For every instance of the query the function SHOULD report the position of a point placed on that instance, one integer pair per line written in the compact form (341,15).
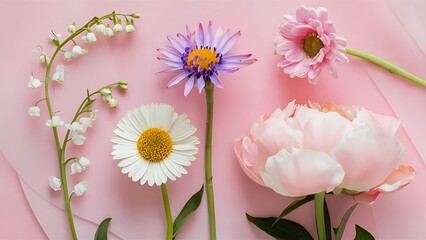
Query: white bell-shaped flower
(84,162)
(100,28)
(34,111)
(77,139)
(54,122)
(76,168)
(109,32)
(77,51)
(55,183)
(34,83)
(90,37)
(80,188)
(59,73)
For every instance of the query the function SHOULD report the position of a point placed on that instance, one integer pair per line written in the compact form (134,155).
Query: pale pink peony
(304,150)
(309,43)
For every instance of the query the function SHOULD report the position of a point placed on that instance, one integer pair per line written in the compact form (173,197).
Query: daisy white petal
(146,148)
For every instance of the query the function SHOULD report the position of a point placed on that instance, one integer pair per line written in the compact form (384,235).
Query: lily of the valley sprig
(199,57)
(308,43)
(84,115)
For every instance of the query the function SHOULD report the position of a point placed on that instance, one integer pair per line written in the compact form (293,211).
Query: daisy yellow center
(312,44)
(154,144)
(202,58)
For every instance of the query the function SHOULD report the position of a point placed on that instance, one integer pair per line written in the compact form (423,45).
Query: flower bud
(117,26)
(55,183)
(135,15)
(105,91)
(72,28)
(122,84)
(113,103)
(44,59)
(107,98)
(80,188)
(130,28)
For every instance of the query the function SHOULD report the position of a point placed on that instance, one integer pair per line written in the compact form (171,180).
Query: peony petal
(368,155)
(302,172)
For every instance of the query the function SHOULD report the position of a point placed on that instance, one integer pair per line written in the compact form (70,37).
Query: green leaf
(327,221)
(56,42)
(362,234)
(293,206)
(342,225)
(190,206)
(101,233)
(284,229)
(88,103)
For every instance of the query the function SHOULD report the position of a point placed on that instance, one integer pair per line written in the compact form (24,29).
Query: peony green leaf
(284,229)
(101,233)
(362,234)
(293,206)
(341,228)
(190,206)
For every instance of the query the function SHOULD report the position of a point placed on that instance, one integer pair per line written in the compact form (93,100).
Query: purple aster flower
(201,55)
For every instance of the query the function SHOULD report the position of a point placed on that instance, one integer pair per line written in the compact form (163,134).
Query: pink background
(394,30)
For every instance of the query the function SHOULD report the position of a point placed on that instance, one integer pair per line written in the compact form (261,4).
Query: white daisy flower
(154,143)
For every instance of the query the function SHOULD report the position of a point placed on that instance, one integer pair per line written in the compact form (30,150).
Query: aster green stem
(169,219)
(319,215)
(61,150)
(387,65)
(209,89)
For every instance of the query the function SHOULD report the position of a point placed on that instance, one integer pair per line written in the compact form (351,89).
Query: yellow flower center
(202,58)
(154,144)
(312,44)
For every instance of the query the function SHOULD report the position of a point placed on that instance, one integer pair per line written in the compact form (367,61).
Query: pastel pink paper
(137,211)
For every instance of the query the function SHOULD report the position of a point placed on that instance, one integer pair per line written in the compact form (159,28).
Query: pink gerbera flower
(309,43)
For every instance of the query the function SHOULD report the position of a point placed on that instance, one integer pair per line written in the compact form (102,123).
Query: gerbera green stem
(169,219)
(386,65)
(319,215)
(209,88)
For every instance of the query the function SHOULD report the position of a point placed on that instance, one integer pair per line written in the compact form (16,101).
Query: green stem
(209,88)
(319,215)
(169,219)
(386,65)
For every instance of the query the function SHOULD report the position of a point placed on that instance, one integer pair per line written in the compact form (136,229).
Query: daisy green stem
(169,219)
(209,89)
(386,65)
(319,215)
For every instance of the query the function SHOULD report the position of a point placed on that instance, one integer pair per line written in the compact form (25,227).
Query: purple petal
(230,43)
(231,64)
(176,44)
(224,39)
(208,35)
(170,70)
(183,40)
(216,81)
(200,83)
(171,62)
(236,57)
(199,36)
(169,54)
(177,79)
(227,70)
(188,86)
(217,38)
